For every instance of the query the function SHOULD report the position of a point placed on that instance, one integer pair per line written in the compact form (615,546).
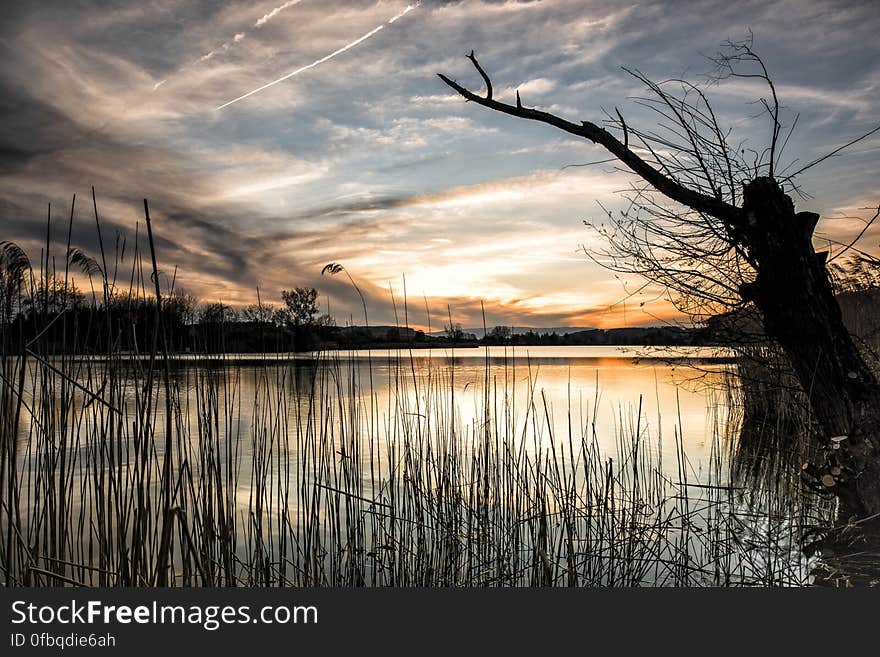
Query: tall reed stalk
(309,471)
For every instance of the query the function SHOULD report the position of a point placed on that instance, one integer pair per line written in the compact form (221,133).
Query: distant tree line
(57,315)
(641,336)
(63,319)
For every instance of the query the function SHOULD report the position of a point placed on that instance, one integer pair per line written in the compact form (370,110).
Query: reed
(148,469)
(312,479)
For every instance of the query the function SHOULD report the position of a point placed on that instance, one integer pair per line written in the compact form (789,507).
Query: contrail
(323,59)
(272,14)
(238,37)
(241,35)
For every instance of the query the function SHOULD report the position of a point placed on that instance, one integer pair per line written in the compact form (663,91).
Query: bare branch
(861,234)
(665,185)
(623,125)
(485,77)
(832,153)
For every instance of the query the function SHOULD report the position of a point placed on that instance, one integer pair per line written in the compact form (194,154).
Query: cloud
(369,159)
(529,88)
(542,188)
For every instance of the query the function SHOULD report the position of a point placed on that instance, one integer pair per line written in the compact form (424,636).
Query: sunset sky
(360,155)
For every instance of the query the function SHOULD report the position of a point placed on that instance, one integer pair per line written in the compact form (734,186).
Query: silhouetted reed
(144,468)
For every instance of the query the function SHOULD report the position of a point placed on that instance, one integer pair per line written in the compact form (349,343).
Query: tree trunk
(793,292)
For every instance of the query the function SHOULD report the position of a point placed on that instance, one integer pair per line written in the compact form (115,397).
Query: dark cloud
(31,128)
(38,145)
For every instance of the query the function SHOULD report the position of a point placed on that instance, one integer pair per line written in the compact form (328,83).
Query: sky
(273,137)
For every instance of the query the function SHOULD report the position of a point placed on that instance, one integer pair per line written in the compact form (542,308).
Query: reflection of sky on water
(305,444)
(596,386)
(589,391)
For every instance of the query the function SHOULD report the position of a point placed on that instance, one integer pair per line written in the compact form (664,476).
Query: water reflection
(443,467)
(593,392)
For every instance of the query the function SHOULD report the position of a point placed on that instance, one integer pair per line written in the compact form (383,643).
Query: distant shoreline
(440,352)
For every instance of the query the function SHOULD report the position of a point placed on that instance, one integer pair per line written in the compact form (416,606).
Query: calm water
(531,393)
(582,390)
(303,448)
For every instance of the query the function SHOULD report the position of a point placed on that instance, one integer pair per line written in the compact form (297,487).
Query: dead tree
(732,236)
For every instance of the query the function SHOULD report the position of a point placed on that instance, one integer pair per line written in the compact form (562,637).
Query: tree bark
(793,292)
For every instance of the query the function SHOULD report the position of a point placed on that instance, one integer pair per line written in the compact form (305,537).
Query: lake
(581,389)
(487,466)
